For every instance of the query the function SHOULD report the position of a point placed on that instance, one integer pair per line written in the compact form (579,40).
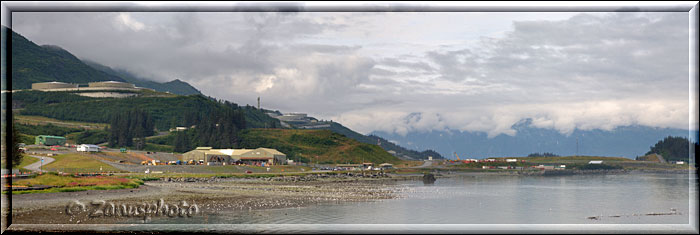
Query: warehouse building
(88,148)
(52,85)
(49,140)
(259,156)
(207,154)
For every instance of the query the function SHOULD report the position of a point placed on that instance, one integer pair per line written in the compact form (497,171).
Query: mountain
(175,86)
(32,63)
(624,141)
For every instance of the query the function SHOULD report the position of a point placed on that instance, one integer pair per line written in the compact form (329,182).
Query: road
(35,166)
(425,164)
(661,158)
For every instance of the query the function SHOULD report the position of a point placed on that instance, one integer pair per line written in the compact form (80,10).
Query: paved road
(35,166)
(425,164)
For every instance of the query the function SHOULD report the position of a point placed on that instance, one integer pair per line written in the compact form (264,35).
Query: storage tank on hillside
(52,85)
(111,84)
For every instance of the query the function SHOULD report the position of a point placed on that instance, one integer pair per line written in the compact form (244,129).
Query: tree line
(219,129)
(673,148)
(130,129)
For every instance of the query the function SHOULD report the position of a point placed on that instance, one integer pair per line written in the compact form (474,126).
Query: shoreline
(213,195)
(228,194)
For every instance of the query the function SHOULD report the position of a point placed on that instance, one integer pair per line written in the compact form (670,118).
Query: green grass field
(77,162)
(74,184)
(26,160)
(39,120)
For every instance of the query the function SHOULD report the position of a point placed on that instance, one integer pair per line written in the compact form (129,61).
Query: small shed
(595,162)
(385,166)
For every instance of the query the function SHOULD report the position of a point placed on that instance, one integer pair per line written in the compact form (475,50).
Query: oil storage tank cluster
(52,85)
(111,84)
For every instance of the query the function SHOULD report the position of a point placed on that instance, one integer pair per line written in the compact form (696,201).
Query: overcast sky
(401,72)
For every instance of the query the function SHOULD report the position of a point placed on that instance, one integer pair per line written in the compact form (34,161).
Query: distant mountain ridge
(32,63)
(624,141)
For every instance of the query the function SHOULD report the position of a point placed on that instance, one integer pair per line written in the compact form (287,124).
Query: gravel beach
(210,195)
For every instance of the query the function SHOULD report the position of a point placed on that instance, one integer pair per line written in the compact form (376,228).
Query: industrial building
(111,84)
(88,148)
(49,140)
(259,156)
(52,85)
(94,89)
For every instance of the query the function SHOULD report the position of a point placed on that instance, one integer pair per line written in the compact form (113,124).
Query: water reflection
(491,199)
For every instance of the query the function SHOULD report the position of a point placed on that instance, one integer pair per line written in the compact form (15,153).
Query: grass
(78,162)
(39,120)
(569,159)
(26,160)
(149,177)
(158,147)
(408,164)
(311,146)
(74,184)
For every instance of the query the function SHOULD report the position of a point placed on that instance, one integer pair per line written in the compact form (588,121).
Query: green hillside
(673,148)
(32,63)
(175,86)
(385,144)
(306,145)
(167,112)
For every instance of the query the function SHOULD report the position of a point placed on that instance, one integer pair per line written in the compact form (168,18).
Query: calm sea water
(495,199)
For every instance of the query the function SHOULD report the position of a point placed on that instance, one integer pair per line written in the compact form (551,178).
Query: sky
(401,72)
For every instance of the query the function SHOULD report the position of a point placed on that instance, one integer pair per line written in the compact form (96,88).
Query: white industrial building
(88,148)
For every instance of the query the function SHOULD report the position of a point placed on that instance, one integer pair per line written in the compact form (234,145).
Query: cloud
(400,72)
(592,71)
(124,19)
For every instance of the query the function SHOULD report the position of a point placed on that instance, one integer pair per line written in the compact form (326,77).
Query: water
(496,199)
